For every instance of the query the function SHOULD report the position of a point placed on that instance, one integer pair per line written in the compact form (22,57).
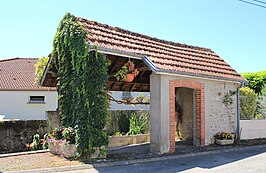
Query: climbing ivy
(82,83)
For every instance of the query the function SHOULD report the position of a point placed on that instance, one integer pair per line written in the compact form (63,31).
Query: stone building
(188,84)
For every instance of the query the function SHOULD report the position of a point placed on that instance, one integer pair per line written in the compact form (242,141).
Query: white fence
(252,129)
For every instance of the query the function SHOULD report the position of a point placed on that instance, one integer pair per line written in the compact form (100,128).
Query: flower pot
(69,150)
(224,142)
(130,77)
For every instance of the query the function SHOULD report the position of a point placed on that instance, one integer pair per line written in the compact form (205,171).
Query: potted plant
(63,141)
(224,138)
(127,73)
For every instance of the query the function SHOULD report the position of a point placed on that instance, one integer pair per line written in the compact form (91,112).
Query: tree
(39,68)
(256,80)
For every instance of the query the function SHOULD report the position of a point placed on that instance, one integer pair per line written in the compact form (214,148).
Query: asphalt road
(244,161)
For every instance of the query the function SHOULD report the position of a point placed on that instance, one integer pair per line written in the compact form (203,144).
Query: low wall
(252,129)
(53,120)
(15,134)
(117,141)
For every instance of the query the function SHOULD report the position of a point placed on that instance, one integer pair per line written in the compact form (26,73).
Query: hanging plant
(127,73)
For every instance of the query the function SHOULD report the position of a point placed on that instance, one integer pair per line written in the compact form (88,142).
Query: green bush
(119,121)
(256,80)
(40,67)
(248,103)
(137,124)
(260,112)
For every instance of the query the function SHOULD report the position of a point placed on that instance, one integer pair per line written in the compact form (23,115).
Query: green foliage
(57,133)
(248,103)
(37,143)
(82,82)
(260,112)
(118,134)
(118,121)
(228,100)
(121,74)
(69,135)
(127,68)
(263,91)
(224,136)
(40,67)
(256,80)
(137,124)
(46,137)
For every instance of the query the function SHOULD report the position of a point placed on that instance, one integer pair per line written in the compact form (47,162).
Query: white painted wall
(118,95)
(15,104)
(252,129)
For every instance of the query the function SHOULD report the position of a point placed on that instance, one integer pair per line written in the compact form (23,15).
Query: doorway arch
(199,110)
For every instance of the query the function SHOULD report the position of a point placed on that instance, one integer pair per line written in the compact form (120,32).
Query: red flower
(42,141)
(27,145)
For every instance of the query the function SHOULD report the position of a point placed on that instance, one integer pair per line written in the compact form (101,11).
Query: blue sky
(234,30)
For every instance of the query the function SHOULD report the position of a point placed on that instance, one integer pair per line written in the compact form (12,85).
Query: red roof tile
(166,55)
(19,74)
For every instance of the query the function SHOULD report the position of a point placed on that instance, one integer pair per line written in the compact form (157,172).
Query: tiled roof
(165,55)
(19,74)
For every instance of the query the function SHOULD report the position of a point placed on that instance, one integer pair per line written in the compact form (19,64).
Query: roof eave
(116,52)
(156,70)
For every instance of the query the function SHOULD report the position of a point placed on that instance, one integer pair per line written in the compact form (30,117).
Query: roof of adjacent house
(19,74)
(164,56)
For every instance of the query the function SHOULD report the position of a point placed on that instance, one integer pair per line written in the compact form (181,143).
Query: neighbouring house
(20,97)
(192,89)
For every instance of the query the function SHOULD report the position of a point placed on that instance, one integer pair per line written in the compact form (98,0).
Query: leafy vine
(82,83)
(228,100)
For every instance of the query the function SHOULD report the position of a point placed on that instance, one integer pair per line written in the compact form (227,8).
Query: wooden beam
(112,85)
(112,69)
(123,86)
(141,86)
(133,86)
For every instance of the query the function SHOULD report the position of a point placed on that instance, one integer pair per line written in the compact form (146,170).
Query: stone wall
(53,120)
(15,134)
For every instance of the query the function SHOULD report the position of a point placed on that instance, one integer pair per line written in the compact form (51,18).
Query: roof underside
(141,83)
(165,55)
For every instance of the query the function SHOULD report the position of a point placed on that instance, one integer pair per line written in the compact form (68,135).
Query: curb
(135,161)
(23,153)
(153,159)
(58,169)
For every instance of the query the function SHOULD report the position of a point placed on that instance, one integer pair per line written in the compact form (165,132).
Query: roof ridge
(17,58)
(146,36)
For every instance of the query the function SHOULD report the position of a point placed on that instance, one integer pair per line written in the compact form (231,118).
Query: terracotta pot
(130,77)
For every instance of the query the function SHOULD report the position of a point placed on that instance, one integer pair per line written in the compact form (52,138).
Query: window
(36,99)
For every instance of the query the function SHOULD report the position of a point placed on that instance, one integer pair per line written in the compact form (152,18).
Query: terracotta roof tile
(19,74)
(165,55)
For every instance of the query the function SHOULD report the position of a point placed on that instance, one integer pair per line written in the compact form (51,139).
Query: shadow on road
(176,165)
